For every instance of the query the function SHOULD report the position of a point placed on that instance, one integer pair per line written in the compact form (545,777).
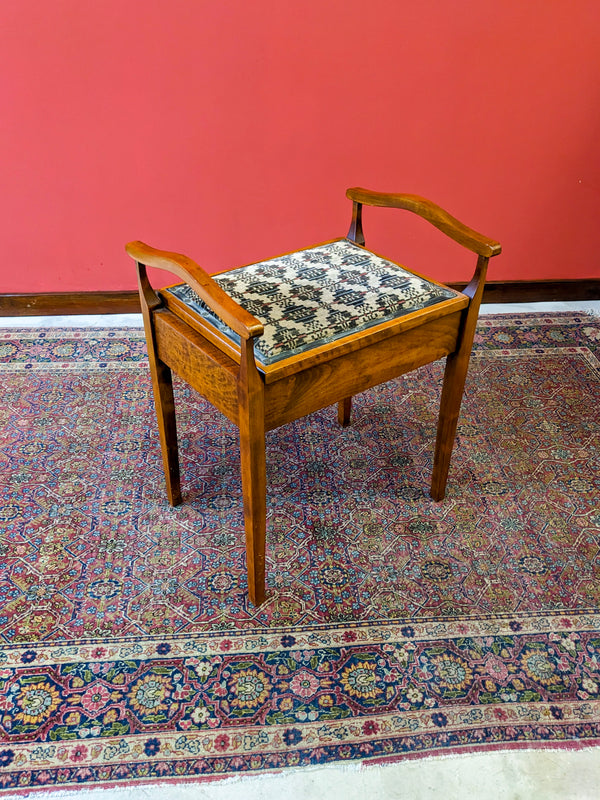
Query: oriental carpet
(394,626)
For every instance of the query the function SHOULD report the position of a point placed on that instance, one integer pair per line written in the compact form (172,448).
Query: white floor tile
(135,320)
(591,306)
(75,321)
(511,775)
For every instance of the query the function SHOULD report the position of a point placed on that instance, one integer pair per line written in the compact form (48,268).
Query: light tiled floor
(513,775)
(135,320)
(509,775)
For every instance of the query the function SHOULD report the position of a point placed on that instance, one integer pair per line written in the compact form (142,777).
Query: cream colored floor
(509,775)
(135,320)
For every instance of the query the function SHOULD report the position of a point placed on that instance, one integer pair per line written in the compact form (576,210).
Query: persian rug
(395,626)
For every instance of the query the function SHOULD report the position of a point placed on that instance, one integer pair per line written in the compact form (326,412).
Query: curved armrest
(437,216)
(232,314)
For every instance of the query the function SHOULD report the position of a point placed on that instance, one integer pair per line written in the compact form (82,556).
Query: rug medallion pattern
(393,626)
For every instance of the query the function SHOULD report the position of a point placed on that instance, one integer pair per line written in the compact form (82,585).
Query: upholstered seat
(271,342)
(315,296)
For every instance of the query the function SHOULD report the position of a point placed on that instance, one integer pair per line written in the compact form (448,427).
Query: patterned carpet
(394,626)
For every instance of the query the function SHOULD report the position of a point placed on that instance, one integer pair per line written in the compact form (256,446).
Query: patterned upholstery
(316,296)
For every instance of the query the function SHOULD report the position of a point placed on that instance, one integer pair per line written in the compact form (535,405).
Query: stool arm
(232,314)
(442,220)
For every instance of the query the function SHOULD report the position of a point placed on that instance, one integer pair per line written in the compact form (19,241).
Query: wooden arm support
(232,314)
(424,208)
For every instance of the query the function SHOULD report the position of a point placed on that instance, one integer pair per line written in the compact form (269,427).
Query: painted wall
(230,130)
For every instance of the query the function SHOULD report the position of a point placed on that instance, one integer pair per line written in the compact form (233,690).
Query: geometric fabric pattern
(393,627)
(315,296)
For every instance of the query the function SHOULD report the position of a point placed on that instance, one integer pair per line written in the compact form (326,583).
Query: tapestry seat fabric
(317,295)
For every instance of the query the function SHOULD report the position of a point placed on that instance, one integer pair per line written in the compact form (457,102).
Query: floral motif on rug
(394,626)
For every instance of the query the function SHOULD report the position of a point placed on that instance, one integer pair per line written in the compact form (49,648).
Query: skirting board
(127,302)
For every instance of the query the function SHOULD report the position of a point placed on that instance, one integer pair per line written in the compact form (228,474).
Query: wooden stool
(271,342)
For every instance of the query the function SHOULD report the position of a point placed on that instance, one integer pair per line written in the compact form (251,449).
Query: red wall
(230,130)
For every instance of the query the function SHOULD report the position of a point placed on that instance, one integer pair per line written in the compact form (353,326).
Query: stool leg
(344,411)
(162,385)
(254,479)
(457,364)
(162,388)
(252,452)
(452,392)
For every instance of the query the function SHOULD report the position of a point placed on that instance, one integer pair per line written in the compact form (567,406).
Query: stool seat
(315,296)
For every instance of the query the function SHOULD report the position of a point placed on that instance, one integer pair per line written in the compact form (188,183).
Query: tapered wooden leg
(455,375)
(254,480)
(252,452)
(452,392)
(344,411)
(162,385)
